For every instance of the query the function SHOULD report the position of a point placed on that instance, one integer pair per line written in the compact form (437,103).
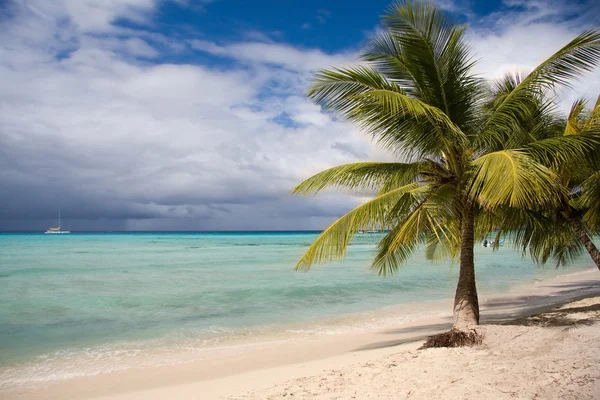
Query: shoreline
(260,367)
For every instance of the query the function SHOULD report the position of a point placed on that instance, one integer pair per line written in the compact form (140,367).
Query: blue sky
(332,25)
(192,115)
(329,25)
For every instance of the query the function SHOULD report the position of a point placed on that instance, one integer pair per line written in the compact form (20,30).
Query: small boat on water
(56,230)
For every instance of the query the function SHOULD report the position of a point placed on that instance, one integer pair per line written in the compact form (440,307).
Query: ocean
(86,303)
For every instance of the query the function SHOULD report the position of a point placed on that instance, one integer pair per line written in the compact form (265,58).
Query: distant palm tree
(563,231)
(415,94)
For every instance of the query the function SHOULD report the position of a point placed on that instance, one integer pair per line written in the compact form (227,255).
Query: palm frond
(590,201)
(366,97)
(536,121)
(431,51)
(385,54)
(365,176)
(542,236)
(336,89)
(593,120)
(433,218)
(438,247)
(573,124)
(399,104)
(432,172)
(511,177)
(571,149)
(374,214)
(391,254)
(577,57)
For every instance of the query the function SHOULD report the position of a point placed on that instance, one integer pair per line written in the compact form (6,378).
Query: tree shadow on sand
(562,292)
(557,316)
(565,317)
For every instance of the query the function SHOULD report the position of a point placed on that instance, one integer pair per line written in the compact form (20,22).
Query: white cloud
(519,40)
(275,54)
(91,15)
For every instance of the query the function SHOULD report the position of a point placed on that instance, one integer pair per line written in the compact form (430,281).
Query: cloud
(89,126)
(276,54)
(89,15)
(346,148)
(576,14)
(528,32)
(94,121)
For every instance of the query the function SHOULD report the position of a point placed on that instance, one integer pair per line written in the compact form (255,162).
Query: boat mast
(59,218)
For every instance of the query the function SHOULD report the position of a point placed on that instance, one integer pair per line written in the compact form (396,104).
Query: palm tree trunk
(585,240)
(466,305)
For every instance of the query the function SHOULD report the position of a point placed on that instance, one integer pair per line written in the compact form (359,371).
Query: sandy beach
(553,355)
(540,342)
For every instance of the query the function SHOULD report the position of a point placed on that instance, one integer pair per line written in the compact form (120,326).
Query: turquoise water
(63,294)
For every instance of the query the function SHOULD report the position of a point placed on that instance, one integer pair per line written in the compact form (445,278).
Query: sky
(193,115)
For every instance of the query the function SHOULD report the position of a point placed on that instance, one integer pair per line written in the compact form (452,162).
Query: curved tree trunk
(585,240)
(466,304)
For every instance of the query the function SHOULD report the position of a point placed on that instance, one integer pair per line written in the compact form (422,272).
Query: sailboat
(57,230)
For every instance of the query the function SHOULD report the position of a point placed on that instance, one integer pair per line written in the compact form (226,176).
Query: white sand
(557,357)
(558,360)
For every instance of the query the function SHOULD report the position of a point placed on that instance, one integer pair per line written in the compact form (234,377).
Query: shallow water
(74,304)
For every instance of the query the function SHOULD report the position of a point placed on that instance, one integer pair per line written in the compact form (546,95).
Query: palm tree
(563,231)
(415,95)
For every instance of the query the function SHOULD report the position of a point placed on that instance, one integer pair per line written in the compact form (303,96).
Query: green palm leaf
(593,120)
(590,201)
(396,120)
(365,176)
(337,89)
(573,124)
(374,214)
(433,219)
(511,177)
(569,149)
(399,104)
(385,54)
